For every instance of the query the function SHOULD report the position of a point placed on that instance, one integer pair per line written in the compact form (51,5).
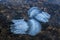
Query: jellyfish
(31,27)
(39,15)
(19,26)
(35,27)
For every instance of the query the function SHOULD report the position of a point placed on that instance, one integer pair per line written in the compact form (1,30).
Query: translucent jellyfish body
(35,27)
(33,11)
(32,27)
(39,15)
(42,17)
(19,26)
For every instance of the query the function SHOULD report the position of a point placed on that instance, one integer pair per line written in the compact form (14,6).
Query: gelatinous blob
(43,17)
(19,26)
(35,27)
(39,15)
(33,11)
(32,27)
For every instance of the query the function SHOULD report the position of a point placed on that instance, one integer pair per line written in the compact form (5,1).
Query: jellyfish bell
(19,27)
(35,27)
(32,27)
(39,15)
(33,11)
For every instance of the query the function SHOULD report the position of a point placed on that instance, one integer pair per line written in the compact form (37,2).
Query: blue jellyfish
(35,27)
(32,27)
(33,11)
(39,15)
(43,17)
(19,26)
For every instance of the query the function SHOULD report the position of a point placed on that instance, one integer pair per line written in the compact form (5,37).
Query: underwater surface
(20,21)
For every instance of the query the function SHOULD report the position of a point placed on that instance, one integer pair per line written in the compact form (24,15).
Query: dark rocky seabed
(50,30)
